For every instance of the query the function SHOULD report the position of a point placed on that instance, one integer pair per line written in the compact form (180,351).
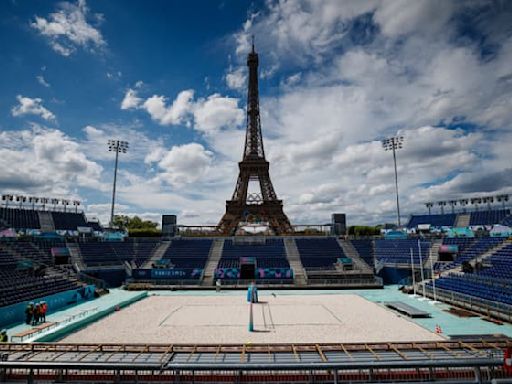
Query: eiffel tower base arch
(269,211)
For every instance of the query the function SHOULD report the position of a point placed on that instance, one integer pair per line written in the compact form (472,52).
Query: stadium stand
(16,286)
(23,274)
(20,218)
(507,221)
(319,254)
(488,217)
(470,248)
(271,254)
(445,220)
(96,226)
(399,251)
(68,220)
(116,253)
(477,286)
(187,255)
(365,249)
(499,265)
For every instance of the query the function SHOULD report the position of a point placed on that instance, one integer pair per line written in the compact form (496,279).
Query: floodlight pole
(117,146)
(114,190)
(394,143)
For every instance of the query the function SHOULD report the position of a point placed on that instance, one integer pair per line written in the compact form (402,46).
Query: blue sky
(335,78)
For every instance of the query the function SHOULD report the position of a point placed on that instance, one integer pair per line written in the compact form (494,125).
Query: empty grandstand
(441,220)
(401,251)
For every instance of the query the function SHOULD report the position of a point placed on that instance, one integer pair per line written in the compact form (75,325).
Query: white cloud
(130,100)
(28,106)
(369,70)
(68,28)
(183,164)
(47,162)
(96,138)
(41,80)
(402,17)
(236,78)
(177,113)
(217,112)
(203,114)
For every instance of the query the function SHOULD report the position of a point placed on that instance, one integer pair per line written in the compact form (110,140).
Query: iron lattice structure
(476,361)
(254,167)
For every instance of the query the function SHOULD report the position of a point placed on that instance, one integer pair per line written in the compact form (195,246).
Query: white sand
(224,319)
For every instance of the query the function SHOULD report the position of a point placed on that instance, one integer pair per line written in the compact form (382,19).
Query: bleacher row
(271,254)
(22,275)
(187,256)
(469,248)
(19,218)
(477,218)
(116,253)
(191,255)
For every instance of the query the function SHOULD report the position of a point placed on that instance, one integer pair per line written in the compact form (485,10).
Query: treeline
(363,230)
(137,227)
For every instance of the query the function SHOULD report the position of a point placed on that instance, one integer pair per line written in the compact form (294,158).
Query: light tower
(394,144)
(116,146)
(453,203)
(502,199)
(429,206)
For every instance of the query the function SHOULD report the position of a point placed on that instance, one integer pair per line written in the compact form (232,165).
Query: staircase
(46,221)
(481,257)
(351,252)
(75,256)
(462,220)
(158,253)
(434,250)
(212,262)
(491,251)
(293,256)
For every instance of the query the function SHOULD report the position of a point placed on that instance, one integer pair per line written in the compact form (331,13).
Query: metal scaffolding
(480,361)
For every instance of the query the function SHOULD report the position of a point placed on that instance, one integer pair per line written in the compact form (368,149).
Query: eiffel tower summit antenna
(245,206)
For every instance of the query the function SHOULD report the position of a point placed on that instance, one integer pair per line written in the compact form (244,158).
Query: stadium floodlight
(21,199)
(7,198)
(453,203)
(475,201)
(116,146)
(33,200)
(429,206)
(394,144)
(44,201)
(502,199)
(489,200)
(54,202)
(65,203)
(442,204)
(76,203)
(463,203)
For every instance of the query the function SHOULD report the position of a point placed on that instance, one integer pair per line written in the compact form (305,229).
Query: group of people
(36,313)
(3,336)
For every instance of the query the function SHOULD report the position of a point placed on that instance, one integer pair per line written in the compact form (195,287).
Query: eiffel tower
(245,206)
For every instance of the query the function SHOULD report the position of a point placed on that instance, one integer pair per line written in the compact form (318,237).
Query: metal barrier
(445,361)
(491,308)
(37,330)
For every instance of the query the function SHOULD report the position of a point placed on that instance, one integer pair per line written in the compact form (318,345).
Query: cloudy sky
(336,76)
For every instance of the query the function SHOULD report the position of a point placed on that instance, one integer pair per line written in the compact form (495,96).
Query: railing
(500,310)
(92,280)
(38,330)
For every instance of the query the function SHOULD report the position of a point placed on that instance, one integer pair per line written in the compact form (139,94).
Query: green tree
(134,223)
